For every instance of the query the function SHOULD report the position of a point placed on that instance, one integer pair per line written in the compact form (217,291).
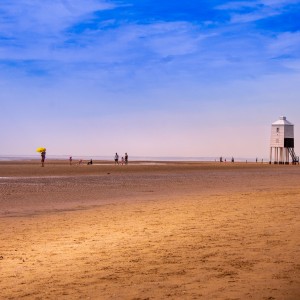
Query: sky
(197,78)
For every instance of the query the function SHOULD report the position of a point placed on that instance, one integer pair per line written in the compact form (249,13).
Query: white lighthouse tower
(282,142)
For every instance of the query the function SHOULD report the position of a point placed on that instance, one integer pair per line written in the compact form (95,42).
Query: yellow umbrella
(41,149)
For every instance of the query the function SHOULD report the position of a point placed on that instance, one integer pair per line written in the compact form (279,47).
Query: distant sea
(131,158)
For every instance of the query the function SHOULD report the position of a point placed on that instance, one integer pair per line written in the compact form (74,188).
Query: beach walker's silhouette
(43,158)
(116,159)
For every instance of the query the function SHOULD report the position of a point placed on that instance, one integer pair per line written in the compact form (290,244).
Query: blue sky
(151,78)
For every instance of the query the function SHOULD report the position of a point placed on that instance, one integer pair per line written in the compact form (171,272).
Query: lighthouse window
(277,129)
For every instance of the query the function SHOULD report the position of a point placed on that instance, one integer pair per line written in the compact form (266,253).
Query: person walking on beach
(43,157)
(126,158)
(122,161)
(116,159)
(70,160)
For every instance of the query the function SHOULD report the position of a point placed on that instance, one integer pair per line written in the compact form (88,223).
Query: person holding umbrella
(43,154)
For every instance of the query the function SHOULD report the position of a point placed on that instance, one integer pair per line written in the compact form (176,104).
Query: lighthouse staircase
(295,158)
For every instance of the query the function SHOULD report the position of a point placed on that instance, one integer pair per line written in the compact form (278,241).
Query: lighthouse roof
(282,121)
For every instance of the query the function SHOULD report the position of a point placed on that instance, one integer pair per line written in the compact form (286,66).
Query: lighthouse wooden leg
(270,161)
(279,155)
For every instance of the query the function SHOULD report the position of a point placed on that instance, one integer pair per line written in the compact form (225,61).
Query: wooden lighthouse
(282,142)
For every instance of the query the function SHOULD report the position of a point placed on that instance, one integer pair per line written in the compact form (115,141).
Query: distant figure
(262,160)
(225,159)
(126,158)
(232,160)
(80,162)
(122,161)
(90,162)
(256,159)
(116,159)
(221,159)
(43,157)
(70,160)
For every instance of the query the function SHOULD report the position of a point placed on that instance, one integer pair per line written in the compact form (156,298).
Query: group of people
(124,159)
(232,160)
(221,159)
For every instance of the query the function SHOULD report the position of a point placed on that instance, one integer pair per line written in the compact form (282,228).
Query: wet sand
(146,231)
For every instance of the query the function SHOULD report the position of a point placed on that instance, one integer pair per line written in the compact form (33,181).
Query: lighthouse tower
(282,142)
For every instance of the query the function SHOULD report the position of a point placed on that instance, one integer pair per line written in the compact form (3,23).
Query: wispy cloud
(286,48)
(251,11)
(254,16)
(32,28)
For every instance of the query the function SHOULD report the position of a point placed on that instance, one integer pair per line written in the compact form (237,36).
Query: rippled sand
(146,231)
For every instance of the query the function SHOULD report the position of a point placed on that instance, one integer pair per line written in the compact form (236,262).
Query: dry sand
(166,231)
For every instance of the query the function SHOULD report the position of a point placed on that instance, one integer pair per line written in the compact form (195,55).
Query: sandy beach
(149,231)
